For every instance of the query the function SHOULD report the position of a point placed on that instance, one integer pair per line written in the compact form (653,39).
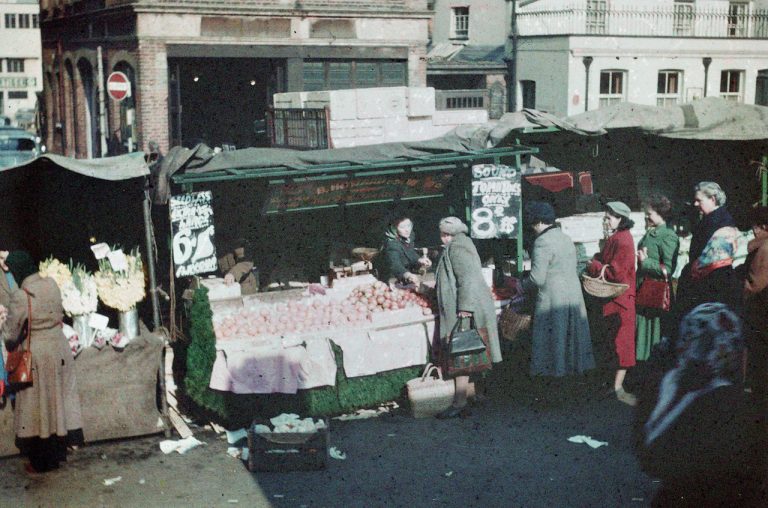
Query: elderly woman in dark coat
(462,292)
(562,344)
(47,415)
(403,261)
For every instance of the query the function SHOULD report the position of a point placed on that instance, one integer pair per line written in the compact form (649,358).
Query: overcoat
(51,406)
(461,287)
(561,343)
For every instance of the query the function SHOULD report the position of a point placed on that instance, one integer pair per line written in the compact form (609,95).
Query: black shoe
(454,412)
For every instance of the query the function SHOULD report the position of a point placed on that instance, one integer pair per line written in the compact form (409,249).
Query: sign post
(118,86)
(192,246)
(496,199)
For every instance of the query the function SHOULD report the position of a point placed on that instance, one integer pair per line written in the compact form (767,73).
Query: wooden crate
(288,451)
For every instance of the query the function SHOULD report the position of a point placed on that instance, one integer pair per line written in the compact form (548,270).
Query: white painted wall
(20,43)
(489,21)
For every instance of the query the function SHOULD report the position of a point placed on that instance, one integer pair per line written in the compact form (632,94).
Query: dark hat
(539,211)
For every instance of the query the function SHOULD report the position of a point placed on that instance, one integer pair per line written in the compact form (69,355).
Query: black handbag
(465,342)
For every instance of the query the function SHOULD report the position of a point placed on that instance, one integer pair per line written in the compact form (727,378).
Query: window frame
(382,75)
(35,21)
(10,20)
(737,19)
(684,15)
(729,95)
(24,21)
(14,65)
(665,97)
(611,96)
(460,22)
(596,21)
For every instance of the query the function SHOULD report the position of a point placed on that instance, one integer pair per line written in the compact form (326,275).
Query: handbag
(19,361)
(466,358)
(429,395)
(655,293)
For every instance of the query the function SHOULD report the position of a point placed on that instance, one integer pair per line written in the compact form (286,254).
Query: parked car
(17,146)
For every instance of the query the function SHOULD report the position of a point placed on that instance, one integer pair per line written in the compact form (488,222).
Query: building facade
(466,58)
(207,71)
(578,55)
(20,66)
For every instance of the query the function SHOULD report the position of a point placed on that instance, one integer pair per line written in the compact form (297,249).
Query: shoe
(454,412)
(626,397)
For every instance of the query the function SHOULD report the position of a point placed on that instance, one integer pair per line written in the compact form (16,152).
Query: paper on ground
(112,481)
(594,443)
(335,453)
(182,445)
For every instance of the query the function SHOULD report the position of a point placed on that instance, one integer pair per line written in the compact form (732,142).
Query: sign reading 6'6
(192,228)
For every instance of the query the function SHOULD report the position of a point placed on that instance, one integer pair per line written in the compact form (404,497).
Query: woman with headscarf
(561,342)
(656,259)
(403,261)
(47,417)
(618,258)
(709,275)
(703,438)
(463,293)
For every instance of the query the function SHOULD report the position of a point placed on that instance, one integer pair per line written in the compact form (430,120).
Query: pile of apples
(317,313)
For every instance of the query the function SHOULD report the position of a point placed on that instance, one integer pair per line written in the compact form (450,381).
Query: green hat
(619,208)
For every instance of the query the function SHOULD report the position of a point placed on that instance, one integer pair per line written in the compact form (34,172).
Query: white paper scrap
(233,436)
(98,321)
(118,261)
(335,453)
(594,443)
(100,250)
(112,481)
(182,445)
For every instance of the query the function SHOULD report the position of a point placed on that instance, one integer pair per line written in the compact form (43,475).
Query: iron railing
(461,99)
(298,128)
(680,20)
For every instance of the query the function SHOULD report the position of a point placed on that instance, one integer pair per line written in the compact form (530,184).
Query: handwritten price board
(192,229)
(496,195)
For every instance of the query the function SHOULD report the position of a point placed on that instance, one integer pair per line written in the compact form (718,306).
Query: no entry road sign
(118,86)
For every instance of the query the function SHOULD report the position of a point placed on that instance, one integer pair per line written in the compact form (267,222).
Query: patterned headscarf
(708,357)
(718,252)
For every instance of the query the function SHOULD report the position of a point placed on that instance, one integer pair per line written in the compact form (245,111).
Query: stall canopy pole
(151,261)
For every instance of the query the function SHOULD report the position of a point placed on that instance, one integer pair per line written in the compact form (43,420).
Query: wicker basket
(428,395)
(512,324)
(601,288)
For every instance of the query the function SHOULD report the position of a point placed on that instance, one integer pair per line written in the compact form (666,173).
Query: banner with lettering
(496,195)
(193,245)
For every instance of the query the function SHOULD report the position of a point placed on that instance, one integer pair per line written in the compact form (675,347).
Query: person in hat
(237,267)
(617,257)
(401,259)
(561,342)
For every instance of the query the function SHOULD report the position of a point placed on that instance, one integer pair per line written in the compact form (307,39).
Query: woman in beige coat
(47,415)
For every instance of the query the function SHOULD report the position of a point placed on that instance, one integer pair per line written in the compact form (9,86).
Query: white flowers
(122,289)
(77,286)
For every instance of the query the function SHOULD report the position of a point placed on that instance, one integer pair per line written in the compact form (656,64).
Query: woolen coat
(461,287)
(51,406)
(561,343)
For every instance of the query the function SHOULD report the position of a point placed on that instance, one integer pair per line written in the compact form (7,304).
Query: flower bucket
(84,332)
(128,323)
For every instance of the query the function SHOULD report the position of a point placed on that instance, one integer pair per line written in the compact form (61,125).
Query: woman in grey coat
(462,292)
(561,343)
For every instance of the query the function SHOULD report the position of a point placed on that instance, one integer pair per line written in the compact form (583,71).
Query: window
(612,87)
(12,94)
(341,75)
(732,85)
(460,23)
(668,88)
(737,19)
(682,22)
(597,11)
(35,21)
(23,20)
(528,89)
(10,21)
(14,65)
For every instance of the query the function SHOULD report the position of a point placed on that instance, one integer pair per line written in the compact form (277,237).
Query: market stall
(60,208)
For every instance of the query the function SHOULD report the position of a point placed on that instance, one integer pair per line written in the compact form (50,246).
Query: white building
(578,55)
(20,60)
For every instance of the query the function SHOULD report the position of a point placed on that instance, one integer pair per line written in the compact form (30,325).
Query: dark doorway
(528,88)
(218,100)
(761,88)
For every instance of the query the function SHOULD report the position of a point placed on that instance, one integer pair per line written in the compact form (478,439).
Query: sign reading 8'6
(496,194)
(192,229)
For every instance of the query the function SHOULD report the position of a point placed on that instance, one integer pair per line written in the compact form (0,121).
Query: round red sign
(118,86)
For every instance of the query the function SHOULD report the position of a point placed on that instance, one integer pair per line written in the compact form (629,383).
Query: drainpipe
(587,61)
(512,63)
(706,61)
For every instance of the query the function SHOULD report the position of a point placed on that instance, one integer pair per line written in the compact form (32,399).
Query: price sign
(496,195)
(192,229)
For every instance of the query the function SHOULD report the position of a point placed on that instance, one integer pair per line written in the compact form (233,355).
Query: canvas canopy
(121,167)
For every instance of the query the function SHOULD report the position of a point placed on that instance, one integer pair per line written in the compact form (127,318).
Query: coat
(756,285)
(242,271)
(619,254)
(5,290)
(51,406)
(400,257)
(561,343)
(461,287)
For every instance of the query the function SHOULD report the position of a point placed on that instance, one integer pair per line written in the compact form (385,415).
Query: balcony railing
(682,20)
(461,99)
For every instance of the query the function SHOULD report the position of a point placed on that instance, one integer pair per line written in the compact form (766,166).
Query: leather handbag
(19,361)
(655,293)
(455,363)
(465,342)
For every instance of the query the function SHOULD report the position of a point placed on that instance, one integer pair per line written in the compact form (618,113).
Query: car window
(17,144)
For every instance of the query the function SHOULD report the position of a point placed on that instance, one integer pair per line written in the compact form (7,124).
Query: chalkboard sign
(308,194)
(192,229)
(496,194)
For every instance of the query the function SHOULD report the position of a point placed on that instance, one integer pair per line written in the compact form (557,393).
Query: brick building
(206,71)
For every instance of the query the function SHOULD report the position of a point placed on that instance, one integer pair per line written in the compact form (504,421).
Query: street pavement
(512,451)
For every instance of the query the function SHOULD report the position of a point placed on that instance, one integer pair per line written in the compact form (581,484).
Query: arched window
(127,129)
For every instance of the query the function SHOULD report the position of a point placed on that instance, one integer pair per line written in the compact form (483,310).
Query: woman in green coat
(656,256)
